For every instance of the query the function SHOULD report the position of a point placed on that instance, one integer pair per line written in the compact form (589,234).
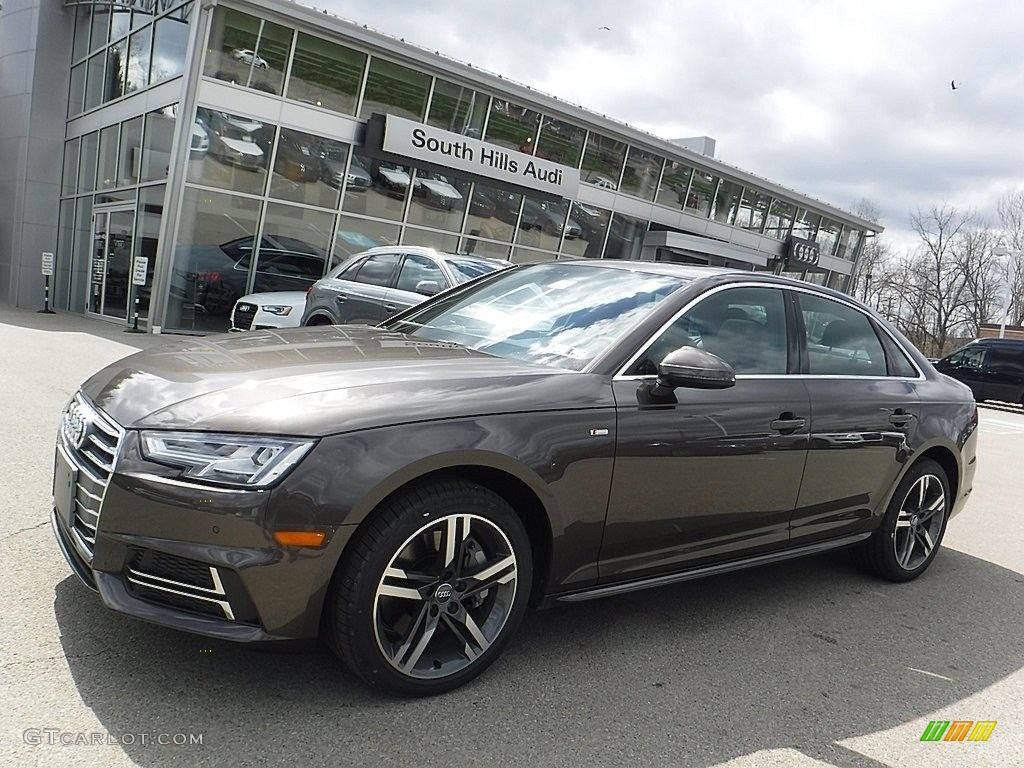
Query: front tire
(431,588)
(907,541)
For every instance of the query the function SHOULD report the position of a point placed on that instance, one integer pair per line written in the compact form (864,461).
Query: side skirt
(593,593)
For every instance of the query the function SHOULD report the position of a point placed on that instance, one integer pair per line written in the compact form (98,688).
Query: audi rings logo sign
(444,593)
(75,425)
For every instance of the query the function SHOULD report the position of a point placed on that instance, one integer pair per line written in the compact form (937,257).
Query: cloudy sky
(841,100)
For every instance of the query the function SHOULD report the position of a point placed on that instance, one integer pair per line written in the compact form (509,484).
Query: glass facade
(270,207)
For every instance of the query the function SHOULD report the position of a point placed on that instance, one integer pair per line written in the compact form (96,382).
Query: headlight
(249,462)
(277,309)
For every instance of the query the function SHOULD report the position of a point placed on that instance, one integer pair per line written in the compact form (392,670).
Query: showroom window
(675,181)
(593,224)
(625,237)
(293,248)
(87,163)
(138,60)
(246,50)
(753,209)
(848,242)
(602,161)
(354,235)
(69,176)
(727,202)
(542,222)
(641,173)
(117,65)
(94,82)
(394,89)
(828,236)
(458,109)
(840,340)
(120,22)
(129,152)
(780,219)
(438,200)
(428,238)
(156,144)
(512,126)
(83,23)
(702,193)
(76,89)
(493,213)
(560,142)
(300,165)
(147,235)
(485,249)
(215,242)
(238,153)
(805,224)
(100,28)
(326,74)
(388,190)
(170,42)
(746,327)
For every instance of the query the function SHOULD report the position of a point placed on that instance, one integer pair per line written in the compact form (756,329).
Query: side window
(746,327)
(1007,360)
(899,363)
(417,270)
(840,339)
(349,272)
(378,270)
(968,357)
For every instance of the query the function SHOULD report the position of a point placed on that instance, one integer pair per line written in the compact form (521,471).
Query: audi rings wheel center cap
(914,521)
(443,593)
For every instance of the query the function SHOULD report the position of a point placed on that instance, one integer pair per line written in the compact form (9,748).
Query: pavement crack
(25,530)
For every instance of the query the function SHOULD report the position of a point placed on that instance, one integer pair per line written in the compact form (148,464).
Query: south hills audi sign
(479,158)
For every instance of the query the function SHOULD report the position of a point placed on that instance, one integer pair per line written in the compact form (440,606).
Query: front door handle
(390,307)
(787,423)
(900,418)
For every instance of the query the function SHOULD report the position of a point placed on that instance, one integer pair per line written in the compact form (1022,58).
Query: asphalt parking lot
(806,663)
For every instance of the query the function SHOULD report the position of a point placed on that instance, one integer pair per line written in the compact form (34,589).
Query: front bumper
(201,560)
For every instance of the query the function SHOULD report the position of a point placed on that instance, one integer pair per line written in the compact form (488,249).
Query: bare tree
(1010,210)
(982,274)
(935,270)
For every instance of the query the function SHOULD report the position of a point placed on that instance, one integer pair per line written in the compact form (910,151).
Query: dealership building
(185,154)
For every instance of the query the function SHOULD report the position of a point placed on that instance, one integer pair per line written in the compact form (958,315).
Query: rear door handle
(787,423)
(390,307)
(900,418)
(340,298)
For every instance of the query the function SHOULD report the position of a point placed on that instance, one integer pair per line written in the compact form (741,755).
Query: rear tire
(430,589)
(915,521)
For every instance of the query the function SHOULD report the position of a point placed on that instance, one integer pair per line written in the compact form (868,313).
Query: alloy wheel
(445,596)
(919,523)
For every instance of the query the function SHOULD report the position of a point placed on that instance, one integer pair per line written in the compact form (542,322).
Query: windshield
(562,315)
(465,270)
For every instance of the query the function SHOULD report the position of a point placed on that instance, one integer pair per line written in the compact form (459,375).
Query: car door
(708,474)
(967,365)
(361,299)
(418,278)
(1004,374)
(864,407)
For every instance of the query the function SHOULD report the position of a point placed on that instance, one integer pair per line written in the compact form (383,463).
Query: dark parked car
(992,368)
(380,282)
(551,432)
(213,277)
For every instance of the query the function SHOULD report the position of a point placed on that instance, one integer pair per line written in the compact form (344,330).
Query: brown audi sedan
(552,432)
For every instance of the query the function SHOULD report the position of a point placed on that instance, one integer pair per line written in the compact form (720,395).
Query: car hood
(441,188)
(242,147)
(325,380)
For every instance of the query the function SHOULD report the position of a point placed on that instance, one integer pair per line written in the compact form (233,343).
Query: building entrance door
(110,263)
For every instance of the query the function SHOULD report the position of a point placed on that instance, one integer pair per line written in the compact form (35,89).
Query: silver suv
(375,284)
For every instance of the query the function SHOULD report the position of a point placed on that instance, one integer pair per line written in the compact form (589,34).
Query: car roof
(995,341)
(424,250)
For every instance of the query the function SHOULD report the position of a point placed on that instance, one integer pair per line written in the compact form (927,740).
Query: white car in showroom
(277,309)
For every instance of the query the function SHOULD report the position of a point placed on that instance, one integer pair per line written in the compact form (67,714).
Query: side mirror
(696,369)
(428,287)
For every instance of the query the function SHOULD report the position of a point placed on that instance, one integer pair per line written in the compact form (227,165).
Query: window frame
(796,334)
(394,270)
(446,281)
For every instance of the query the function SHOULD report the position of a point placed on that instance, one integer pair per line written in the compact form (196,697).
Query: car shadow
(799,654)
